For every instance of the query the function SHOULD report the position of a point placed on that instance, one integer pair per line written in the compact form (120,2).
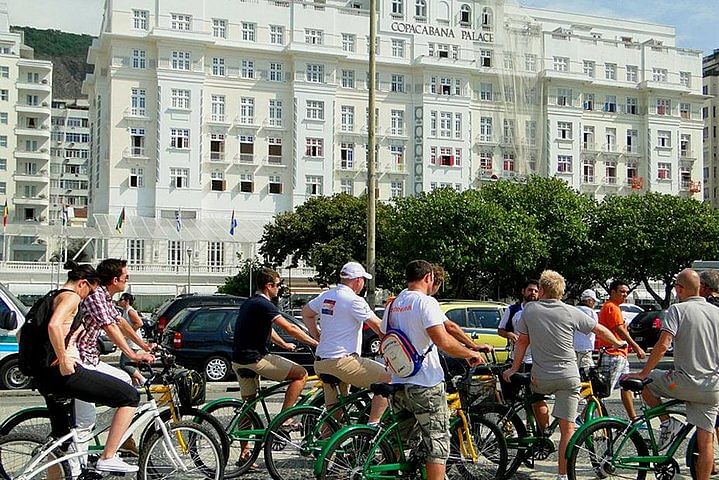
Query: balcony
(609,147)
(687,155)
(274,160)
(631,150)
(612,181)
(39,109)
(38,177)
(245,158)
(33,131)
(488,139)
(136,153)
(135,114)
(246,122)
(43,86)
(589,180)
(40,200)
(218,157)
(40,154)
(589,146)
(395,167)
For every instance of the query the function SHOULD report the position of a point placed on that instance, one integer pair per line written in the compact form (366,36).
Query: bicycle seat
(246,373)
(329,379)
(521,379)
(384,389)
(635,385)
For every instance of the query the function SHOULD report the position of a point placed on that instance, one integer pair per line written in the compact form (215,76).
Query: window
(348,42)
(247,110)
(685,79)
(659,74)
(247,69)
(485,58)
(276,72)
(4,118)
(632,141)
(632,105)
(347,118)
(397,84)
(137,177)
(137,102)
(664,139)
(139,58)
(465,16)
(664,171)
(135,251)
(313,36)
(217,181)
(274,185)
(458,125)
(218,67)
(314,185)
(180,98)
(485,129)
(530,62)
(589,68)
(487,18)
(180,21)
(561,64)
(564,130)
(275,113)
(397,122)
(217,107)
(485,92)
(219,28)
(632,73)
(397,48)
(397,7)
(315,73)
(179,177)
(610,71)
(564,97)
(611,137)
(445,124)
(485,161)
(508,131)
(588,171)
(314,148)
(610,104)
(139,19)
(346,186)
(180,138)
(347,155)
(247,149)
(446,159)
(610,173)
(249,31)
(509,61)
(685,110)
(420,9)
(348,78)
(664,106)
(277,34)
(508,162)
(315,110)
(175,252)
(564,164)
(246,182)
(685,143)
(397,154)
(180,61)
(588,101)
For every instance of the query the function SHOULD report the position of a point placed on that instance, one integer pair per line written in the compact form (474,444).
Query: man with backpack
(510,320)
(415,317)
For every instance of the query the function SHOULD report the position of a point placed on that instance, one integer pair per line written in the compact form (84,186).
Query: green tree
(652,237)
(73,246)
(240,284)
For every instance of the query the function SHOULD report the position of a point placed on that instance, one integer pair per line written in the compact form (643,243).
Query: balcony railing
(589,179)
(610,180)
(217,156)
(589,146)
(274,159)
(245,158)
(134,152)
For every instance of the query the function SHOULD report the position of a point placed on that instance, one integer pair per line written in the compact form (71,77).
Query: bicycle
(182,450)
(477,446)
(610,446)
(526,441)
(290,452)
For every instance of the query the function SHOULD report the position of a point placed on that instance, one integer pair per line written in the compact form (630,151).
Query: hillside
(68,53)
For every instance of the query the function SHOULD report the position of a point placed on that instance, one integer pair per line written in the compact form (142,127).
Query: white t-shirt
(126,316)
(585,342)
(515,321)
(341,313)
(413,313)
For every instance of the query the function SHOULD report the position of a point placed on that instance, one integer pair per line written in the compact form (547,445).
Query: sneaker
(667,431)
(562,477)
(115,465)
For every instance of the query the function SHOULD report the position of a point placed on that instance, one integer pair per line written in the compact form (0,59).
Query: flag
(65,215)
(5,214)
(178,221)
(120,221)
(233,224)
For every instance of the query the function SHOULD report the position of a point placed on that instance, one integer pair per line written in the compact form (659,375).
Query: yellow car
(480,320)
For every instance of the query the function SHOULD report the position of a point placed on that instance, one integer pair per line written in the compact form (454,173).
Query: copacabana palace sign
(442,32)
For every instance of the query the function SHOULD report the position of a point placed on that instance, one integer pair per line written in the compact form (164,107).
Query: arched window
(443,14)
(420,9)
(487,18)
(465,16)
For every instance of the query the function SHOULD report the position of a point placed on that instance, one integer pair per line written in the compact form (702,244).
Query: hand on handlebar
(483,347)
(141,357)
(475,359)
(290,347)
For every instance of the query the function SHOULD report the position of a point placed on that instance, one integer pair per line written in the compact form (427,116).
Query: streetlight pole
(189,262)
(371,156)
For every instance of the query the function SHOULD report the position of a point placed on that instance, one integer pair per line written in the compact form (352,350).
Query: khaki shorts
(272,367)
(702,405)
(566,395)
(428,406)
(352,370)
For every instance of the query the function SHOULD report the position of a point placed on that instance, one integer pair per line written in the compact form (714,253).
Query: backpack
(513,309)
(400,356)
(35,348)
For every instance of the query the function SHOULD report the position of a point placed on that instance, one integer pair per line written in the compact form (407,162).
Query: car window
(484,317)
(458,316)
(178,319)
(207,321)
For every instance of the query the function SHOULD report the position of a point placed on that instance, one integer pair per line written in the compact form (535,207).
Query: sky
(695,20)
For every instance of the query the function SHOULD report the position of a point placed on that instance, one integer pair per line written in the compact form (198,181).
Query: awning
(154,289)
(30,288)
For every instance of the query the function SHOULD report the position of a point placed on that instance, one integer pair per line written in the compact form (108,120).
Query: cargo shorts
(428,407)
(702,405)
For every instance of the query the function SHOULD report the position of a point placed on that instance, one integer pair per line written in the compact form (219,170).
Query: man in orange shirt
(616,358)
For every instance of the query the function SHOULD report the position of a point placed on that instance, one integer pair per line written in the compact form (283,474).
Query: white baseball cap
(588,295)
(352,270)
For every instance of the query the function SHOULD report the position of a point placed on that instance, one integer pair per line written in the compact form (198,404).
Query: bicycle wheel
(595,408)
(513,430)
(34,420)
(596,454)
(290,451)
(188,452)
(350,451)
(16,451)
(489,445)
(245,432)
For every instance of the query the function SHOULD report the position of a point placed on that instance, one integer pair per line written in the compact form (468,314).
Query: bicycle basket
(601,379)
(190,387)
(481,389)
(510,391)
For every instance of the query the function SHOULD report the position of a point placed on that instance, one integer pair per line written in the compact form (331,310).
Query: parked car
(201,339)
(646,328)
(630,311)
(480,320)
(167,311)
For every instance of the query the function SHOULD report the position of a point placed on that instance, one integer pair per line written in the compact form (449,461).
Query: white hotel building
(204,107)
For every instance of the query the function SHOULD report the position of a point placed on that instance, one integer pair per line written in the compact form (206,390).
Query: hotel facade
(199,109)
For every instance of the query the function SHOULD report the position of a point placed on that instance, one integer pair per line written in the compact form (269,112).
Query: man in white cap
(584,343)
(342,313)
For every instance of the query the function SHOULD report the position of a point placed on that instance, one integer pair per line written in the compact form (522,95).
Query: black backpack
(35,349)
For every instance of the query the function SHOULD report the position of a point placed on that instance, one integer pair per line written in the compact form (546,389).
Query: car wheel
(374,346)
(11,377)
(218,369)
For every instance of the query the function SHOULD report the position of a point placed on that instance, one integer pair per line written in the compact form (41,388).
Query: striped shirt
(99,313)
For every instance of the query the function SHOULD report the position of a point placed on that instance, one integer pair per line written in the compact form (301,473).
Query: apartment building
(711,89)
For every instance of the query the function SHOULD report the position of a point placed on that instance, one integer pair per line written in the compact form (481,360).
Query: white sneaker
(116,465)
(667,431)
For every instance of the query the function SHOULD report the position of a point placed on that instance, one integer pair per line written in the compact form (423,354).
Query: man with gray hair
(709,286)
(584,343)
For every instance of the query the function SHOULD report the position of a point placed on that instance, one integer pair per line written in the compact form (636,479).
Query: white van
(12,316)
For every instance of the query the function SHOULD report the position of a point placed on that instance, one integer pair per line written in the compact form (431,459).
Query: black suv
(173,306)
(201,339)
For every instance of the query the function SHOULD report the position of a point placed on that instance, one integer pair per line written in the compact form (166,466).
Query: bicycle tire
(348,452)
(290,454)
(227,413)
(201,455)
(491,449)
(513,429)
(595,409)
(16,451)
(588,457)
(33,420)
